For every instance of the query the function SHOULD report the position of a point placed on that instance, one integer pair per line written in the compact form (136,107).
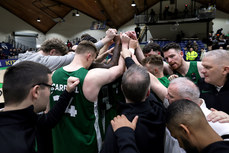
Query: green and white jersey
(78,130)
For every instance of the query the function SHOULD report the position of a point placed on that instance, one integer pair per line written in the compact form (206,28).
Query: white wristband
(132,50)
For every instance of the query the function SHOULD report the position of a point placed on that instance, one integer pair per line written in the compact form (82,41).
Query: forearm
(139,54)
(50,119)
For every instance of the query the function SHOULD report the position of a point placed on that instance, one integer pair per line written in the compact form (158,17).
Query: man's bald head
(220,56)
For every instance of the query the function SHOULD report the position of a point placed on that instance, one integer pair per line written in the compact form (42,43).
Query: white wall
(11,23)
(221,21)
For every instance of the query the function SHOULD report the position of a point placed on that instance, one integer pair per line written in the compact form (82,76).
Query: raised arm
(98,77)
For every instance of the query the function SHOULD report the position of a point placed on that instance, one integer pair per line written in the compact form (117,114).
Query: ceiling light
(77,13)
(38,20)
(133,4)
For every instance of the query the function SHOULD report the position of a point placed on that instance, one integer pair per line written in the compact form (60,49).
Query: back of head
(151,46)
(185,112)
(88,38)
(155,60)
(171,46)
(54,43)
(135,83)
(20,78)
(186,89)
(85,46)
(220,56)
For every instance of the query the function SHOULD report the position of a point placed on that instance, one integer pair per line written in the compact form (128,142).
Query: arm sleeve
(126,140)
(129,61)
(50,119)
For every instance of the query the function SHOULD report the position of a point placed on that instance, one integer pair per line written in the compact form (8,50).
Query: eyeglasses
(47,85)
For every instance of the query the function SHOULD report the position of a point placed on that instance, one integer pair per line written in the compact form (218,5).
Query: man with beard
(174,57)
(188,125)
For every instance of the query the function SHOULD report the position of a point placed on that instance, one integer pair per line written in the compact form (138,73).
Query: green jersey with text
(78,130)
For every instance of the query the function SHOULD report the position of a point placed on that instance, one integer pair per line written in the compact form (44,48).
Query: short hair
(186,88)
(20,78)
(135,83)
(88,38)
(219,54)
(84,46)
(185,112)
(156,60)
(171,46)
(54,43)
(147,48)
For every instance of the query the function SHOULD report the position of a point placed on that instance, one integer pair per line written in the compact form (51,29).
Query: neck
(183,69)
(159,75)
(43,53)
(221,82)
(206,137)
(76,63)
(21,105)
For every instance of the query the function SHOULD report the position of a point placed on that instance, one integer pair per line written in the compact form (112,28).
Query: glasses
(47,85)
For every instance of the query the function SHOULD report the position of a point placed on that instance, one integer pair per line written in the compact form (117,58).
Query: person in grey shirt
(53,52)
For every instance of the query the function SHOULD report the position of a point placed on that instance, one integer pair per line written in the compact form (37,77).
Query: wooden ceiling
(115,12)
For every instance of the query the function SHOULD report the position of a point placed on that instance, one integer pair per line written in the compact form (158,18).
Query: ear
(226,70)
(52,52)
(185,130)
(181,53)
(88,56)
(35,92)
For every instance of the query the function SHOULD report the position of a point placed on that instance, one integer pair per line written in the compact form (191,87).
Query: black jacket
(217,147)
(150,129)
(213,98)
(23,131)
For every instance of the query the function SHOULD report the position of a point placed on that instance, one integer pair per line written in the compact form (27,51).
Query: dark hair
(84,46)
(88,38)
(151,46)
(171,46)
(20,78)
(182,111)
(54,43)
(153,59)
(135,83)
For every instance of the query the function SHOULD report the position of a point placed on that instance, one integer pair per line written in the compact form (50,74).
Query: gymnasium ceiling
(115,12)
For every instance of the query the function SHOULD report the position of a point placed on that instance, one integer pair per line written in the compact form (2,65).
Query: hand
(173,76)
(132,35)
(218,116)
(122,121)
(125,38)
(74,47)
(117,39)
(72,82)
(126,53)
(133,44)
(111,33)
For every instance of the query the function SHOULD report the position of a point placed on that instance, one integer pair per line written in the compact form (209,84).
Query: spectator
(191,55)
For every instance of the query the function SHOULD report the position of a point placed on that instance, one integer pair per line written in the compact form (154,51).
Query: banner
(7,62)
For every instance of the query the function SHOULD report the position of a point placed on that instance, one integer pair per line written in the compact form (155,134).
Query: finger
(213,109)
(217,118)
(135,120)
(226,120)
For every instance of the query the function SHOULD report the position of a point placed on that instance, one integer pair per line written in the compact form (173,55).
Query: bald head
(135,83)
(183,88)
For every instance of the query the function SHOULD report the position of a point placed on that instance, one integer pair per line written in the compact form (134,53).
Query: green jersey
(192,73)
(78,130)
(164,80)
